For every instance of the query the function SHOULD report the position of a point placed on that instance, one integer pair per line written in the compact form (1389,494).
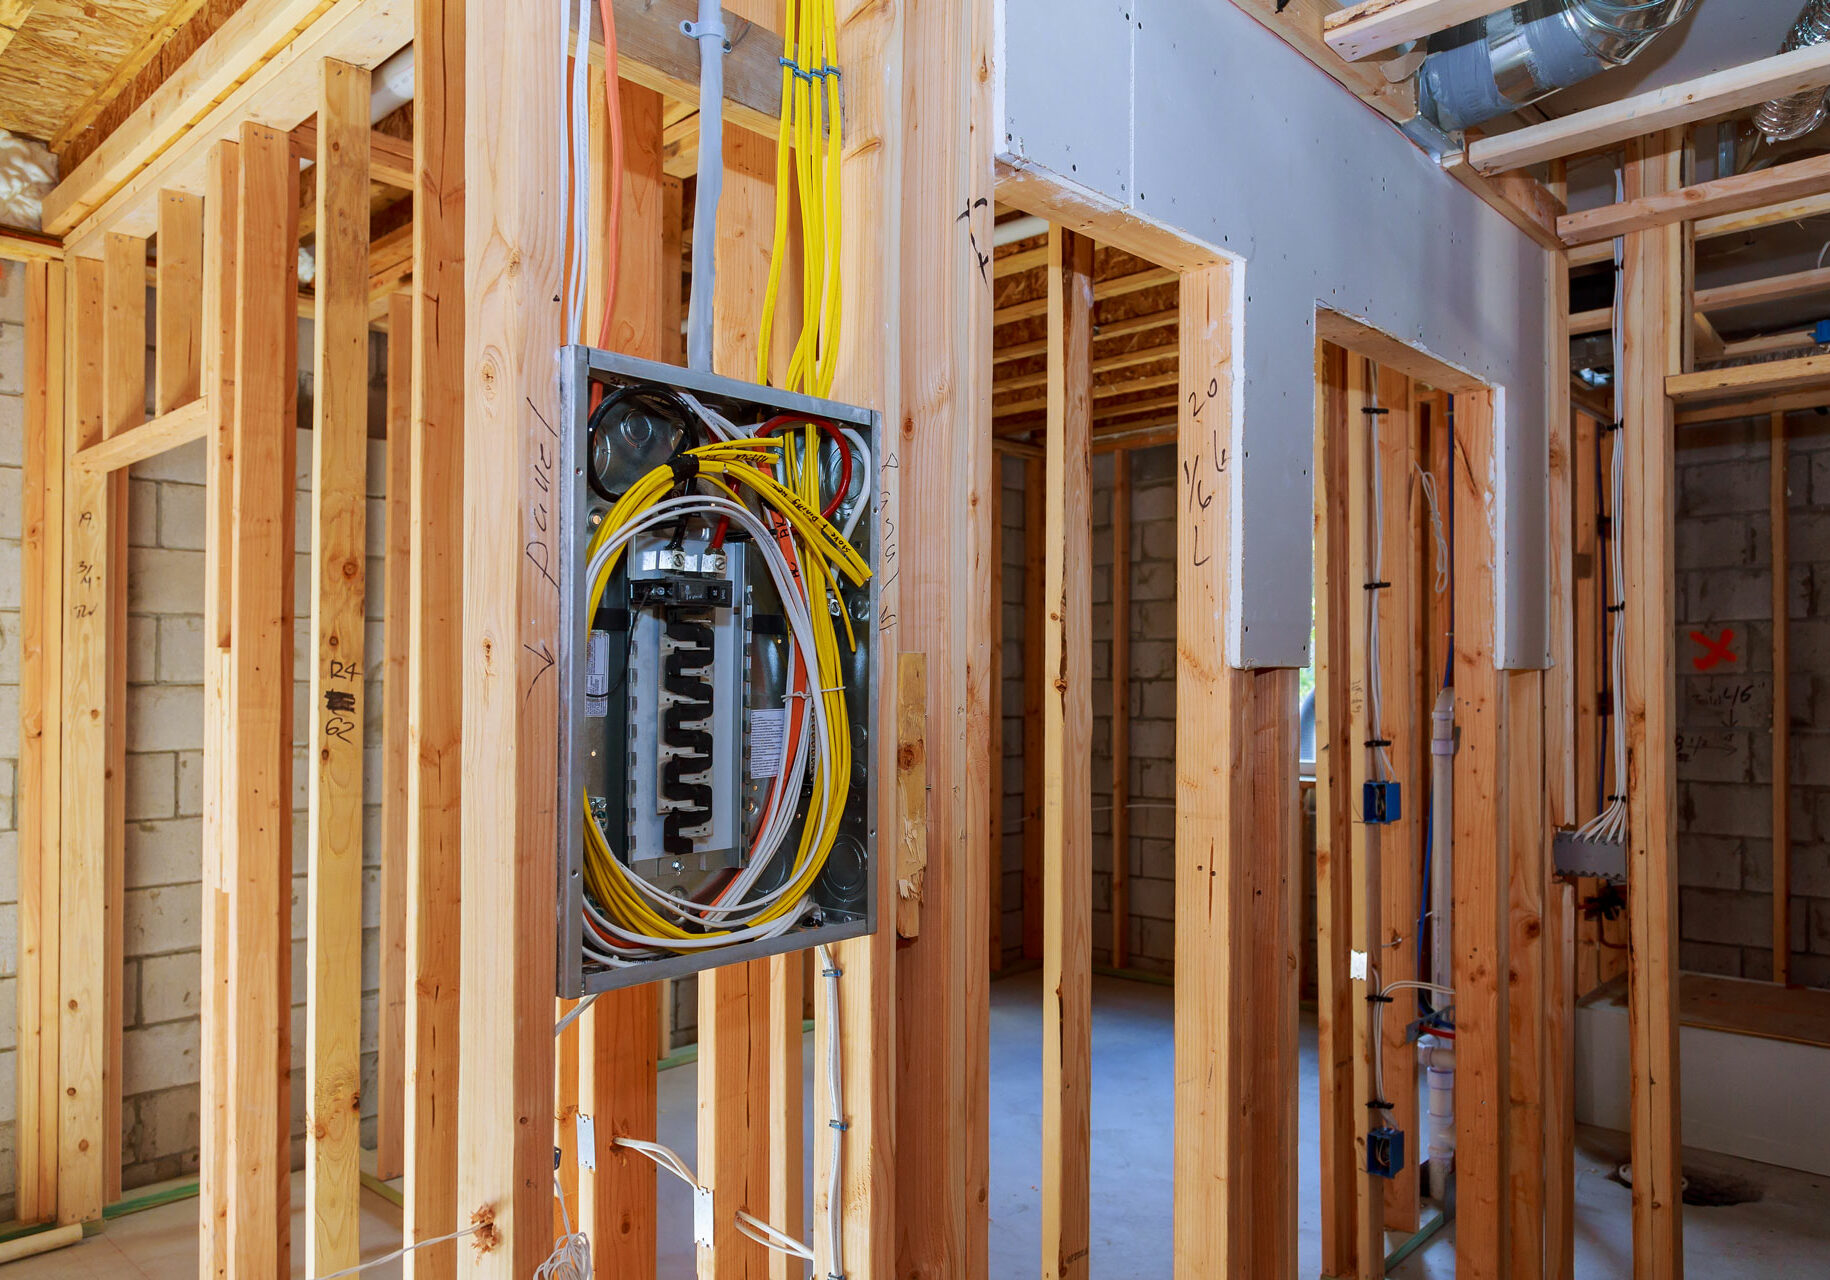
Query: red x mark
(1715,651)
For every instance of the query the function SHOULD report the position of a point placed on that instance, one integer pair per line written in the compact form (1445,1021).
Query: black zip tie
(1374,997)
(1376,586)
(1378,1104)
(1617,608)
(1612,427)
(1617,797)
(1375,412)
(684,466)
(1378,742)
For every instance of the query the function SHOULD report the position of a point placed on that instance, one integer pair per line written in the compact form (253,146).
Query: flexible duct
(1494,66)
(1783,119)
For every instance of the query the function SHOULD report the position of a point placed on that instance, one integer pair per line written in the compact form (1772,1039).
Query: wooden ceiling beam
(1781,185)
(1644,113)
(1374,26)
(1721,225)
(1774,377)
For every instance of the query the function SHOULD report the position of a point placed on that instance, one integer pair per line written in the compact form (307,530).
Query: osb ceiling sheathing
(73,68)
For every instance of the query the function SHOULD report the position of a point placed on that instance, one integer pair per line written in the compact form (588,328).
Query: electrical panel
(718,671)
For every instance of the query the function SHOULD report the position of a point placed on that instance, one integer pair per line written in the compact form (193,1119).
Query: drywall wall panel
(1238,142)
(1084,48)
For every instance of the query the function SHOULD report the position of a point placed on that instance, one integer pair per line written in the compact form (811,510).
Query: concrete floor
(1785,1232)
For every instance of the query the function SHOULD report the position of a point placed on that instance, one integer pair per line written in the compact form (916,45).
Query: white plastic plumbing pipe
(1438,1060)
(1437,1055)
(1442,815)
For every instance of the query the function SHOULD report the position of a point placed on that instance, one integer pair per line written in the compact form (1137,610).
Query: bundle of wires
(768,486)
(809,150)
(1610,825)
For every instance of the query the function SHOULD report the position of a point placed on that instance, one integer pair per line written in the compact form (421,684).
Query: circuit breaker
(717,657)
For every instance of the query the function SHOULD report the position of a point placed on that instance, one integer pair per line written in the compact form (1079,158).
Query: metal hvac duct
(1494,66)
(1783,119)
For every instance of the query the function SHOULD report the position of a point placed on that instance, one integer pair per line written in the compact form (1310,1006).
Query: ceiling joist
(1374,26)
(1685,103)
(1738,193)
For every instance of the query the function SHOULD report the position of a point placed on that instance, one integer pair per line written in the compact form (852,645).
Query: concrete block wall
(161,1033)
(1151,849)
(1726,703)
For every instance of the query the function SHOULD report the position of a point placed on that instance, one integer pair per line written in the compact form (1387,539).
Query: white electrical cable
(1381,762)
(580,151)
(769,1238)
(664,1156)
(1610,825)
(835,1090)
(1427,483)
(571,1257)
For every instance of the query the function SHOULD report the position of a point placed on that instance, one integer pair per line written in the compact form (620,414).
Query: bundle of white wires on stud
(1610,825)
(762,486)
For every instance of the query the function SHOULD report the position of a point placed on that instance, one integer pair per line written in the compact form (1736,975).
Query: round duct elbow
(1495,65)
(1784,119)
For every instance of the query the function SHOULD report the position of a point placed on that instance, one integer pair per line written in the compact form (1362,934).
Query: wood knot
(908,755)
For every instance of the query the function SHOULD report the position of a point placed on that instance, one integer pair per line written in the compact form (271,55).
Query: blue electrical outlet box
(1384,1152)
(1380,803)
(1821,335)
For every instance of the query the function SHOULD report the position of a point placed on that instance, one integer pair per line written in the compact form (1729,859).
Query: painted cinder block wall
(1152,697)
(1725,705)
(162,900)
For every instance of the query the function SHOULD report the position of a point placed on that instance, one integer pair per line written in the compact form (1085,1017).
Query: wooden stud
(619,1040)
(1782,724)
(1333,816)
(1559,1083)
(437,641)
(1653,294)
(1528,871)
(1560,738)
(178,350)
(1367,843)
(396,762)
(1401,866)
(512,269)
(946,539)
(222,238)
(1067,818)
(1119,904)
(787,1199)
(1035,612)
(339,469)
(1236,870)
(123,410)
(258,747)
(41,730)
(994,759)
(1482,862)
(82,892)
